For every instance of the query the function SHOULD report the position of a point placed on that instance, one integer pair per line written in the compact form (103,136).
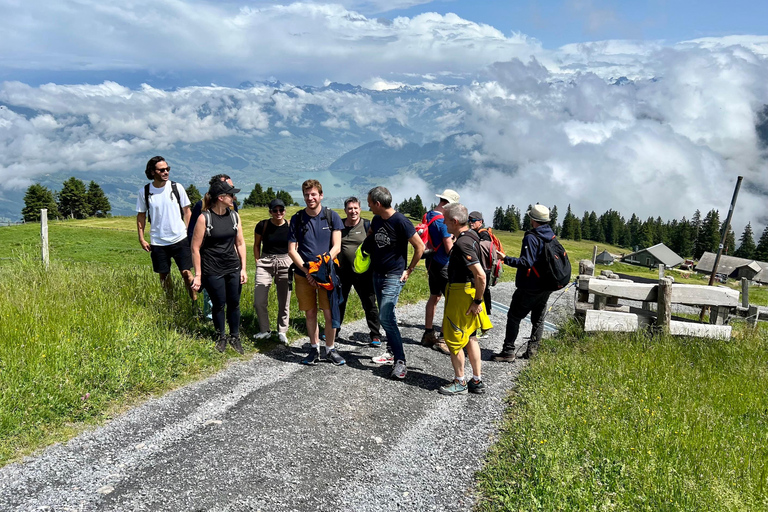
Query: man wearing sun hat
(529,297)
(438,248)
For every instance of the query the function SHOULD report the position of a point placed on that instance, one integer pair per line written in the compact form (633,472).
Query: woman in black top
(270,249)
(218,253)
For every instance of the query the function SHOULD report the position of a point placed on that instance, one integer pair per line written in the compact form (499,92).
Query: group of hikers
(325,256)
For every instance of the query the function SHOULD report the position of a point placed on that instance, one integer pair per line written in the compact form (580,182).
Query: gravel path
(270,434)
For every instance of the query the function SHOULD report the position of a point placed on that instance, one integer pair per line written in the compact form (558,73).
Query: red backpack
(423,231)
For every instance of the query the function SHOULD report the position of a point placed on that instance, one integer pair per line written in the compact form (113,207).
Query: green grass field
(630,422)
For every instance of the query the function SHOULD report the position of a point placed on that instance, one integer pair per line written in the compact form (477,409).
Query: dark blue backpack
(553,267)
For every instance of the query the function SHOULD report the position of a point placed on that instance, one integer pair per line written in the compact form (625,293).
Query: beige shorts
(308,296)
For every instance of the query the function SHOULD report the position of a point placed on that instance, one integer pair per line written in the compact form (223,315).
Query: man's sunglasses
(167,169)
(474,220)
(277,210)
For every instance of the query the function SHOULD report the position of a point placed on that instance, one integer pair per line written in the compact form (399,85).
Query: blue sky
(559,22)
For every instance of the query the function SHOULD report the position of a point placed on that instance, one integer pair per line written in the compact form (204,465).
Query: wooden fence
(605,313)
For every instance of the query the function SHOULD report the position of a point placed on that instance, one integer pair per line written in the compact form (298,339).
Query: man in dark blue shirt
(391,233)
(530,296)
(314,231)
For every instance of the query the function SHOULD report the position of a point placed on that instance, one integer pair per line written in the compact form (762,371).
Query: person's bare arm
(418,250)
(141,223)
(197,242)
(241,252)
(479,275)
(335,243)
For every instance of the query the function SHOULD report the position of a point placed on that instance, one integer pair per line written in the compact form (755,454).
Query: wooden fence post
(661,271)
(744,292)
(664,307)
(752,316)
(594,255)
(44,235)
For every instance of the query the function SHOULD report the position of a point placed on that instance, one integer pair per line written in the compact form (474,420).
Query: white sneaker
(282,338)
(385,358)
(399,371)
(262,335)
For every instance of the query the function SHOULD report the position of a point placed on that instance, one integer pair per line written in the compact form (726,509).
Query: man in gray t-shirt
(354,233)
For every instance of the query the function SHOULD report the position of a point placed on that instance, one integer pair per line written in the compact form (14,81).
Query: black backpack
(552,267)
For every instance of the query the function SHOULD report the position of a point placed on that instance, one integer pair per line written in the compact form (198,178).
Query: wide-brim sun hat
(449,195)
(539,213)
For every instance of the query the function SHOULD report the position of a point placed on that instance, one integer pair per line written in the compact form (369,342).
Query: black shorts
(162,254)
(438,277)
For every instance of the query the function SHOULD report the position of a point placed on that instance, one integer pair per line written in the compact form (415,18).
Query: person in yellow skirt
(464,309)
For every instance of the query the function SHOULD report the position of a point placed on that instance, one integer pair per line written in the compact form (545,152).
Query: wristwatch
(477,301)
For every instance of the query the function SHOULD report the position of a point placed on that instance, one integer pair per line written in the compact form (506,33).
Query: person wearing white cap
(439,245)
(530,296)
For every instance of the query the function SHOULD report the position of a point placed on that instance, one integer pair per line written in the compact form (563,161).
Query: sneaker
(375,341)
(221,345)
(454,388)
(476,386)
(429,339)
(312,358)
(399,371)
(262,335)
(282,338)
(334,357)
(440,346)
(385,358)
(235,342)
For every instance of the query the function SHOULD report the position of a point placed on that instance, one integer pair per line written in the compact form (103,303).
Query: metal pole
(44,236)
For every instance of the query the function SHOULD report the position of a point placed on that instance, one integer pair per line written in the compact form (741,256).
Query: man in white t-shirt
(166,205)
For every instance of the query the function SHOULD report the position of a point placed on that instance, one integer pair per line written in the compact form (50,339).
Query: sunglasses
(277,210)
(161,171)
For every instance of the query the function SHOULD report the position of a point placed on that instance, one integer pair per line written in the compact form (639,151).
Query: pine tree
(730,241)
(553,220)
(255,198)
(37,198)
(72,199)
(511,221)
(98,203)
(527,220)
(746,243)
(696,231)
(761,251)
(567,229)
(285,197)
(268,196)
(193,194)
(498,218)
(709,234)
(586,229)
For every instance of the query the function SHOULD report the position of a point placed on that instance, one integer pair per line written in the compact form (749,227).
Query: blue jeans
(387,287)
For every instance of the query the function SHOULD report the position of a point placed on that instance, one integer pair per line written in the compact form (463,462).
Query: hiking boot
(505,356)
(440,346)
(376,341)
(532,350)
(454,388)
(429,339)
(476,386)
(312,358)
(234,340)
(334,357)
(399,371)
(221,345)
(385,358)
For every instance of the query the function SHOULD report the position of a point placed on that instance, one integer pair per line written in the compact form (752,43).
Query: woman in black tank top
(270,249)
(218,253)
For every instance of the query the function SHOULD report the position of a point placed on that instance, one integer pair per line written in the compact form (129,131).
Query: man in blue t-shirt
(389,236)
(438,248)
(314,231)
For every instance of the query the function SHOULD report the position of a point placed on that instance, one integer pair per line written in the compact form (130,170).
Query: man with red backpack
(476,224)
(439,244)
(534,282)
